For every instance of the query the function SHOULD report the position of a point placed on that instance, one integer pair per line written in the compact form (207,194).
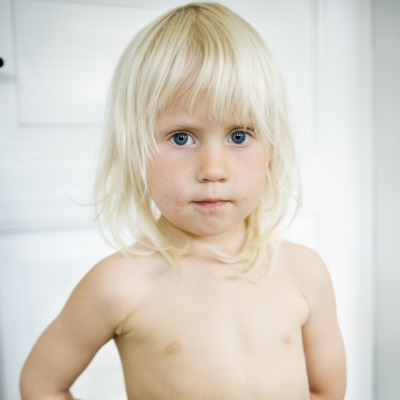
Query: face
(206,176)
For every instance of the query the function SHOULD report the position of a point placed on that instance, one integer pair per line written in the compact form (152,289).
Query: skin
(201,333)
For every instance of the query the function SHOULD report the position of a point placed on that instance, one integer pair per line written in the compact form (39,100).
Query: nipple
(173,348)
(287,339)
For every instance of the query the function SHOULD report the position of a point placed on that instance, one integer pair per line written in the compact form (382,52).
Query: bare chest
(233,337)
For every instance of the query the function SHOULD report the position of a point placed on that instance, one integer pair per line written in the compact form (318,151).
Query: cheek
(257,167)
(254,182)
(163,177)
(253,187)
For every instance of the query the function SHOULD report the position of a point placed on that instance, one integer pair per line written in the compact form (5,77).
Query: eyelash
(182,134)
(242,134)
(186,137)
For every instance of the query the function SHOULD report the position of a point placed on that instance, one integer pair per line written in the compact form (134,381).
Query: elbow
(27,389)
(333,395)
(24,386)
(31,389)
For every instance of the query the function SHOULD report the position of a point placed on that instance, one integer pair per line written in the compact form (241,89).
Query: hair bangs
(207,68)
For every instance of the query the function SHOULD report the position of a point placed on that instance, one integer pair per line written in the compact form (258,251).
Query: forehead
(181,112)
(175,119)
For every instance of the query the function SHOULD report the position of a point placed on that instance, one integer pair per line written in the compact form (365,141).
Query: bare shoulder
(306,267)
(116,285)
(118,274)
(296,254)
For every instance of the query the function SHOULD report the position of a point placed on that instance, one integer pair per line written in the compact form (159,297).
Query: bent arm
(322,340)
(68,345)
(52,365)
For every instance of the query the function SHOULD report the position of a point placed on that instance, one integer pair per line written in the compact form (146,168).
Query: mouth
(212,203)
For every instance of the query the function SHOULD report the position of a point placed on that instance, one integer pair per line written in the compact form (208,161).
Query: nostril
(212,174)
(212,165)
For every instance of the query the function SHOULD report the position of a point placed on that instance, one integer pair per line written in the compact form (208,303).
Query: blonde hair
(212,55)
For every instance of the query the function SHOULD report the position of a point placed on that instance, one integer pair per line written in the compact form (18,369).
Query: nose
(212,164)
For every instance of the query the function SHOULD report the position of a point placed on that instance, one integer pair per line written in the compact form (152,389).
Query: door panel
(59,59)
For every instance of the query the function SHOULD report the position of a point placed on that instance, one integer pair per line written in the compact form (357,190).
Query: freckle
(173,348)
(287,339)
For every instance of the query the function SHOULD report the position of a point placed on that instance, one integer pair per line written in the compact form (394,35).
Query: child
(198,165)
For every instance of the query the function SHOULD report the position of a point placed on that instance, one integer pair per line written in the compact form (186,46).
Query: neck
(228,243)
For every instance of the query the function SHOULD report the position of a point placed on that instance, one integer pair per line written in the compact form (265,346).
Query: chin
(214,231)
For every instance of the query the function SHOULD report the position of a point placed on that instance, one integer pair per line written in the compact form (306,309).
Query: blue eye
(239,137)
(181,139)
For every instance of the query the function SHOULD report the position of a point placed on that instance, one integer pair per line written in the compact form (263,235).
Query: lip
(211,203)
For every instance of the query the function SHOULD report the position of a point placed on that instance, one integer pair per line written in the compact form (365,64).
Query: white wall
(387,112)
(59,55)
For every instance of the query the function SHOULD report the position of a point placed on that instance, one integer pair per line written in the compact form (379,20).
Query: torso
(201,334)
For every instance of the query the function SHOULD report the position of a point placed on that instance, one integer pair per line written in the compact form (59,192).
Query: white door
(59,56)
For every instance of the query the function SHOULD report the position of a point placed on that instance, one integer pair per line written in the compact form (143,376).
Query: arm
(323,344)
(66,347)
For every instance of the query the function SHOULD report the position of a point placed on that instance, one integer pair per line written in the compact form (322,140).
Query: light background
(341,61)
